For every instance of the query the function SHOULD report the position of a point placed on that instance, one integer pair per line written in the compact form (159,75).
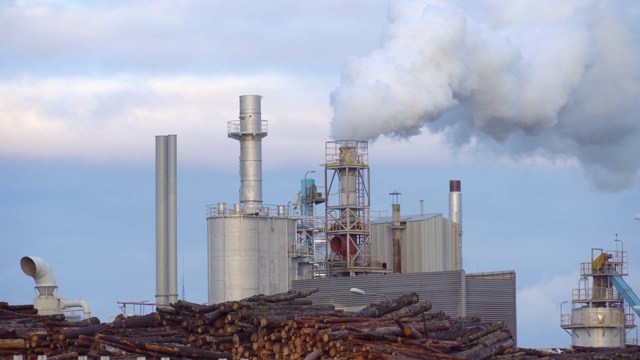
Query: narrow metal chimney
(396,233)
(166,220)
(455,214)
(250,130)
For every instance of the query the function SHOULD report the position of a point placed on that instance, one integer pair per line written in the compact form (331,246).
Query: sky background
(533,105)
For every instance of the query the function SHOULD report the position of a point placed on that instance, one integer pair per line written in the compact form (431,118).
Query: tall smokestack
(249,131)
(166,220)
(455,214)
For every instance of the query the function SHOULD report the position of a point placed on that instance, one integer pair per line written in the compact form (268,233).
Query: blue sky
(533,107)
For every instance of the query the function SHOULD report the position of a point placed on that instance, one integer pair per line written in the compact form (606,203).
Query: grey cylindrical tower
(172,217)
(250,130)
(166,220)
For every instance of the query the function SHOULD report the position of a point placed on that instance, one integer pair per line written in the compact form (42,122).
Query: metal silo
(247,242)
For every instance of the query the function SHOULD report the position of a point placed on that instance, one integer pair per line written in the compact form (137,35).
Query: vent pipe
(396,234)
(47,300)
(41,272)
(250,130)
(166,220)
(455,214)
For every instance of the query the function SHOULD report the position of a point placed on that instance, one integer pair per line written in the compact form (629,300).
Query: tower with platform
(601,312)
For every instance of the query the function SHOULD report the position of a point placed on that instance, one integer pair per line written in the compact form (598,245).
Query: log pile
(281,326)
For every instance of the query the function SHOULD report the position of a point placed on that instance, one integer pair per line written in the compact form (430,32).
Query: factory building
(326,239)
(429,242)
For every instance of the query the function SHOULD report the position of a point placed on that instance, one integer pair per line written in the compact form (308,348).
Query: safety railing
(250,209)
(247,127)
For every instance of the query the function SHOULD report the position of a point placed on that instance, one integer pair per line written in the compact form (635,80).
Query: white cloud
(117,118)
(538,308)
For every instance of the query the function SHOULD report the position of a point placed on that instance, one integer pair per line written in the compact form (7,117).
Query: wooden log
(248,308)
(488,352)
(229,306)
(212,316)
(183,305)
(15,308)
(378,309)
(204,309)
(273,321)
(286,296)
(8,344)
(144,321)
(411,310)
(408,331)
(74,333)
(487,329)
(460,330)
(67,324)
(174,350)
(334,335)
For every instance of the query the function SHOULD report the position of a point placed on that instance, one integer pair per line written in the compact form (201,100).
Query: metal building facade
(445,290)
(490,296)
(429,243)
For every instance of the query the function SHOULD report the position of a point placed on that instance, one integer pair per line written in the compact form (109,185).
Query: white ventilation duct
(47,300)
(41,272)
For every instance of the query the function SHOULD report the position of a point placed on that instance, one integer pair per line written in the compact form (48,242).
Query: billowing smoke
(558,78)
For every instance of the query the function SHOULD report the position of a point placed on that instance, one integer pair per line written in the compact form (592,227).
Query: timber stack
(281,326)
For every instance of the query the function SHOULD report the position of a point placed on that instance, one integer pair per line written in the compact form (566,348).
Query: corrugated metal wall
(428,243)
(443,289)
(492,296)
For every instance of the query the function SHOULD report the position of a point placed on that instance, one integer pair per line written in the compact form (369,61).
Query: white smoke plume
(559,78)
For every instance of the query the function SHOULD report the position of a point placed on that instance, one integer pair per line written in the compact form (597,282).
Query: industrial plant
(327,238)
(330,247)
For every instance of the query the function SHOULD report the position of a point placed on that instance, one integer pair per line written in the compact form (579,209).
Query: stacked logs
(281,326)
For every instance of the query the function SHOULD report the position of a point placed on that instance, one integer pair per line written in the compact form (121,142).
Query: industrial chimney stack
(166,220)
(250,130)
(455,214)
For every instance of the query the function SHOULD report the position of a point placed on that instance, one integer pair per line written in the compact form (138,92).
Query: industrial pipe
(41,272)
(48,302)
(65,304)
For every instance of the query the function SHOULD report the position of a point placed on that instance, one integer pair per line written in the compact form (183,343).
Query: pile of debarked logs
(281,326)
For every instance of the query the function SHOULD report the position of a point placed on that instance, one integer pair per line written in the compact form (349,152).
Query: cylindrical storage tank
(247,255)
(597,327)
